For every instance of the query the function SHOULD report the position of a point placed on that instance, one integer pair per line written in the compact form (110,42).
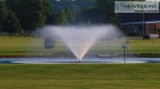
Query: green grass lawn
(35,46)
(134,46)
(72,76)
(27,46)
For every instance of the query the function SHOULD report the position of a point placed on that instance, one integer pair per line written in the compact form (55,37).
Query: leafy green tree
(31,13)
(51,20)
(11,24)
(106,6)
(88,13)
(114,19)
(73,8)
(61,18)
(3,14)
(71,15)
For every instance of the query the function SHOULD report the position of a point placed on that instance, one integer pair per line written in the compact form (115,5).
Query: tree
(73,8)
(106,6)
(88,14)
(61,18)
(31,13)
(11,24)
(71,15)
(114,19)
(3,14)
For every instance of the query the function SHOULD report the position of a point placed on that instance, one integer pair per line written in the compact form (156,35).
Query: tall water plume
(80,39)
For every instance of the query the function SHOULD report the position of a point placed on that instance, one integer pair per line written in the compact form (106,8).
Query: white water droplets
(80,39)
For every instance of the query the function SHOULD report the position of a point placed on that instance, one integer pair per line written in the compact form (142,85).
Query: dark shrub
(134,34)
(146,37)
(49,43)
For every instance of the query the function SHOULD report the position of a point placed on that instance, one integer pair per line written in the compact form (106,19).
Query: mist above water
(80,39)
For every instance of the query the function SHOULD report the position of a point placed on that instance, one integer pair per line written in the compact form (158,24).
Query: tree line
(24,16)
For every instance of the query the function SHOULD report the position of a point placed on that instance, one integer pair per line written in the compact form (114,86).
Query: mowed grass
(143,46)
(80,76)
(134,46)
(27,46)
(35,46)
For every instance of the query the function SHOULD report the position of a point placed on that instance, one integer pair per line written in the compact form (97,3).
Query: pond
(75,61)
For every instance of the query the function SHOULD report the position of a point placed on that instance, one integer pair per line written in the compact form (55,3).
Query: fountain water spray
(80,39)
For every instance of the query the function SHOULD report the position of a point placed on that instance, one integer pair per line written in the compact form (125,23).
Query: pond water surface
(75,61)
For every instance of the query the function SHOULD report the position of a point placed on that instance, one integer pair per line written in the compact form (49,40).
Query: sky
(153,0)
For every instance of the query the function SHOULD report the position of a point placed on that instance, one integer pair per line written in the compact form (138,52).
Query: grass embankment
(134,46)
(133,76)
(35,46)
(26,46)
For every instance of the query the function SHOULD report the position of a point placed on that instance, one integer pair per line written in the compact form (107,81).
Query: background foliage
(24,16)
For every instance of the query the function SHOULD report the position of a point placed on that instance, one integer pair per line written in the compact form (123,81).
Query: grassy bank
(35,46)
(136,76)
(27,46)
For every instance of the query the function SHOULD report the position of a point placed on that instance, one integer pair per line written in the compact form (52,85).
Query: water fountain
(80,39)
